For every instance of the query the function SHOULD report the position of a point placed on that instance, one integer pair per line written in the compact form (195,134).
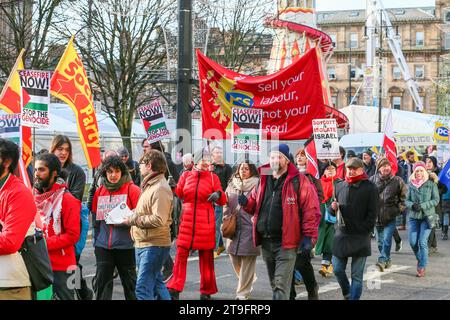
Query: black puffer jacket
(224,172)
(371,168)
(392,196)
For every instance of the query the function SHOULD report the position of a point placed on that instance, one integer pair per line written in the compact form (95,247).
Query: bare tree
(237,30)
(122,45)
(28,24)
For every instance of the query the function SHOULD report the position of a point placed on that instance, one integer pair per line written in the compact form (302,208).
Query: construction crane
(376,16)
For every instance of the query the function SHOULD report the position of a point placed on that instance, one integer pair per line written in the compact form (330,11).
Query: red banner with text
(290,98)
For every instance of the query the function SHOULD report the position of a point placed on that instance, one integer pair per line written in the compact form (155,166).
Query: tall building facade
(425,39)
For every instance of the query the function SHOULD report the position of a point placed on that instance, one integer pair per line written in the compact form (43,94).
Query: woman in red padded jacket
(198,189)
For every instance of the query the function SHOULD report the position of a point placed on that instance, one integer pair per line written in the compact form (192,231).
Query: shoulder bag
(35,255)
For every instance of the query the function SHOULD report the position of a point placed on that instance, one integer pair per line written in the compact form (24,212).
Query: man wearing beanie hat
(356,209)
(286,217)
(133,166)
(392,195)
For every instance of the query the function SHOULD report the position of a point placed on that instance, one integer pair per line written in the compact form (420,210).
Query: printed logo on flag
(154,121)
(35,98)
(440,132)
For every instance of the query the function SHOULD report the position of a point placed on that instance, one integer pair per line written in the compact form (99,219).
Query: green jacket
(428,198)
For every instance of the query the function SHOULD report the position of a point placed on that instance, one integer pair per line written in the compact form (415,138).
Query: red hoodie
(61,248)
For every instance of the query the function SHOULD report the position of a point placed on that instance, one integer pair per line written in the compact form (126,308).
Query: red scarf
(327,186)
(49,205)
(361,177)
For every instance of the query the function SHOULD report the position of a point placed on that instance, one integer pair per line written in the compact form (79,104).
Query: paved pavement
(397,283)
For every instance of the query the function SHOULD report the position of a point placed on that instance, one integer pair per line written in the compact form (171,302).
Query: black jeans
(432,243)
(63,287)
(303,264)
(109,259)
(83,292)
(396,236)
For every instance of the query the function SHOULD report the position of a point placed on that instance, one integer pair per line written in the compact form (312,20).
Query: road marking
(367,277)
(196,258)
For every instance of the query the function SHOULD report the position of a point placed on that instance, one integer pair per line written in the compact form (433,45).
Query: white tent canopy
(365,119)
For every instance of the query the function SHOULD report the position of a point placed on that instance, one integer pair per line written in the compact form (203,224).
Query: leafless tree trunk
(127,50)
(237,28)
(28,24)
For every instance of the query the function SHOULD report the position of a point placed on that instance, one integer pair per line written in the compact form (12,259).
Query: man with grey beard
(286,209)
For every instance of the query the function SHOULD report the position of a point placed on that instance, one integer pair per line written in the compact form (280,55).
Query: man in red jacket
(60,215)
(17,212)
(285,207)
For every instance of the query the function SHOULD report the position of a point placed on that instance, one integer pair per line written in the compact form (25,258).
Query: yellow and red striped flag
(70,84)
(10,103)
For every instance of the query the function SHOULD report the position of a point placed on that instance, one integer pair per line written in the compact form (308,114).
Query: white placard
(118,214)
(326,138)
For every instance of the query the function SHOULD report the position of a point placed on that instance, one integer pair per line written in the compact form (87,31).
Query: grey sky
(325,5)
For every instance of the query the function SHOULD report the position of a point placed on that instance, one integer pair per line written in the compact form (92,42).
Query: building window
(333,39)
(331,73)
(447,16)
(334,101)
(354,40)
(419,72)
(396,74)
(447,41)
(353,73)
(419,39)
(396,102)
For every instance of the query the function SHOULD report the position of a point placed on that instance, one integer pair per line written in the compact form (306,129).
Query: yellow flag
(10,103)
(440,132)
(70,84)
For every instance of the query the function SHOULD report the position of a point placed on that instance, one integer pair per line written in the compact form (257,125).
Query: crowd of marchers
(282,213)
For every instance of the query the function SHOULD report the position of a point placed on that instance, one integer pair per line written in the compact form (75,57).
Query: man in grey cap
(357,205)
(133,166)
(286,210)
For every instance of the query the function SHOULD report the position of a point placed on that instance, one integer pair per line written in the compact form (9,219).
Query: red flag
(289,98)
(295,52)
(390,149)
(10,103)
(283,55)
(312,167)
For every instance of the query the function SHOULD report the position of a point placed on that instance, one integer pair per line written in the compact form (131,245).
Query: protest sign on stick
(35,98)
(326,138)
(154,122)
(246,130)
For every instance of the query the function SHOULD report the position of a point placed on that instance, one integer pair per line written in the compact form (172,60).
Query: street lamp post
(184,119)
(380,89)
(350,71)
(379,29)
